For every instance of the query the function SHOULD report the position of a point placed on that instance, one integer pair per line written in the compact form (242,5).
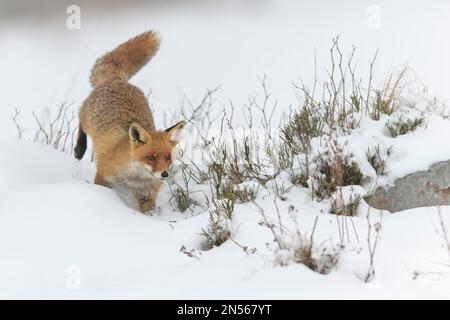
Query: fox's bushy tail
(125,60)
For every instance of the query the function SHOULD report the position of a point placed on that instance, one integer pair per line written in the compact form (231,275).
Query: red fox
(132,156)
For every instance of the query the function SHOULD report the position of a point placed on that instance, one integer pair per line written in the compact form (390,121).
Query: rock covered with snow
(421,189)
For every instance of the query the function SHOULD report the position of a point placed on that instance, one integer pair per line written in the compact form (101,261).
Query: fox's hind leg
(81,145)
(100,180)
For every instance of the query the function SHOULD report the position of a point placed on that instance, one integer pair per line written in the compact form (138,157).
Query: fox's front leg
(148,204)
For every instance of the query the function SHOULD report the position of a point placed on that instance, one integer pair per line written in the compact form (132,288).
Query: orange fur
(132,156)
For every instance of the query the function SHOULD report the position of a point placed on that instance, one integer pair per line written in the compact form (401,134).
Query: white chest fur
(136,180)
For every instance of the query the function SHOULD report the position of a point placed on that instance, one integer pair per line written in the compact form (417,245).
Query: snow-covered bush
(294,246)
(336,172)
(219,227)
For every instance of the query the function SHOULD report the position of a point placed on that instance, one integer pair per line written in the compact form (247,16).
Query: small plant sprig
(181,193)
(403,125)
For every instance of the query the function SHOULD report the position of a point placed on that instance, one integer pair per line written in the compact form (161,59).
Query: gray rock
(419,189)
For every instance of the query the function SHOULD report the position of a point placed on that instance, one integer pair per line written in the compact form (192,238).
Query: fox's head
(154,150)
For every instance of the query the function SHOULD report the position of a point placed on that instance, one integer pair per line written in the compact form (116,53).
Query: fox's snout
(165,174)
(162,175)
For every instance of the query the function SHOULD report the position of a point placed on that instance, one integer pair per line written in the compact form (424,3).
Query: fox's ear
(138,134)
(174,132)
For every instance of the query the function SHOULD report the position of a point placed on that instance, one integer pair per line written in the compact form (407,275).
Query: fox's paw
(150,212)
(153,212)
(147,207)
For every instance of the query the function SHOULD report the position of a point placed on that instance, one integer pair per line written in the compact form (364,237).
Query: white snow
(57,227)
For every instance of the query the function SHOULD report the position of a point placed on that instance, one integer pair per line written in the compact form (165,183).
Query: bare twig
(372,242)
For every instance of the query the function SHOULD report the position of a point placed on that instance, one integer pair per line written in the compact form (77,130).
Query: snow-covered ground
(63,237)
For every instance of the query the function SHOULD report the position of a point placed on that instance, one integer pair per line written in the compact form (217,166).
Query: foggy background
(209,43)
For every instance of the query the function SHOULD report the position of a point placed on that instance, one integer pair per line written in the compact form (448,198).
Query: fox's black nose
(164,174)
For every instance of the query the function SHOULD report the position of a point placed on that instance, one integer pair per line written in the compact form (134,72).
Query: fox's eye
(169,157)
(151,157)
